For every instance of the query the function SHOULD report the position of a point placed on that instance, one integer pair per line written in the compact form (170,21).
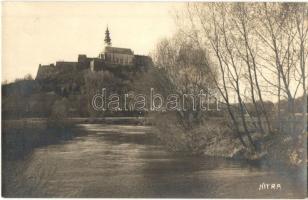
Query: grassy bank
(214,137)
(19,137)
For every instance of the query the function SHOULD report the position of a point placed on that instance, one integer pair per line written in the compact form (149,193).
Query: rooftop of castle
(118,50)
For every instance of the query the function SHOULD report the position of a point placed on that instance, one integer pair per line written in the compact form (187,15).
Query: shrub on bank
(194,141)
(57,121)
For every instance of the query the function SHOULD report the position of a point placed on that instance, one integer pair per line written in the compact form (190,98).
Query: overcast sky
(46,32)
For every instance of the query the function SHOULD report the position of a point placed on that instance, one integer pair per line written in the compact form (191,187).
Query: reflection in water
(123,161)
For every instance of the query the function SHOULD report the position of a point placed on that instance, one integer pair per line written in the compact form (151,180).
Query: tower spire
(107,37)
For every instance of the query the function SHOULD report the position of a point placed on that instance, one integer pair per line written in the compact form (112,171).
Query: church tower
(107,38)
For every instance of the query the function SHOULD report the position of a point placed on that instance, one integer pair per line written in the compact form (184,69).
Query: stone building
(115,55)
(109,58)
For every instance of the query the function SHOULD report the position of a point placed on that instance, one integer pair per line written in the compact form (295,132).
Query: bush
(58,118)
(180,140)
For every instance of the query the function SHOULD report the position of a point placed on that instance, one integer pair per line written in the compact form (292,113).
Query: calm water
(121,161)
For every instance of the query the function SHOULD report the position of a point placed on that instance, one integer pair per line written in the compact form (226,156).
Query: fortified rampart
(112,57)
(68,77)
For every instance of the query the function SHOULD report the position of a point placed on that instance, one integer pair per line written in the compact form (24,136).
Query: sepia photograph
(154,99)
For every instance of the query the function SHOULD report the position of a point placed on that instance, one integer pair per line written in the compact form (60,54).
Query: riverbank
(42,122)
(20,137)
(276,149)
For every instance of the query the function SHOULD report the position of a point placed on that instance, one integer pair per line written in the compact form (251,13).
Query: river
(123,161)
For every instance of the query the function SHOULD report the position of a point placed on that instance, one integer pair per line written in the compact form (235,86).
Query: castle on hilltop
(111,57)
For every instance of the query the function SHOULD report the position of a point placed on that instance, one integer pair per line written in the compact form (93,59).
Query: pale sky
(45,32)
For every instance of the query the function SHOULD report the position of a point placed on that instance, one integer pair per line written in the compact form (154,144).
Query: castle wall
(117,58)
(45,71)
(143,62)
(96,64)
(83,62)
(51,71)
(66,66)
(110,60)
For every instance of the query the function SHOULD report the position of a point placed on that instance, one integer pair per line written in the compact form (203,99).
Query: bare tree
(251,44)
(283,31)
(216,28)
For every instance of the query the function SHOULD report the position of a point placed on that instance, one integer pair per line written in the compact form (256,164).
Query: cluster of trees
(252,53)
(186,72)
(26,97)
